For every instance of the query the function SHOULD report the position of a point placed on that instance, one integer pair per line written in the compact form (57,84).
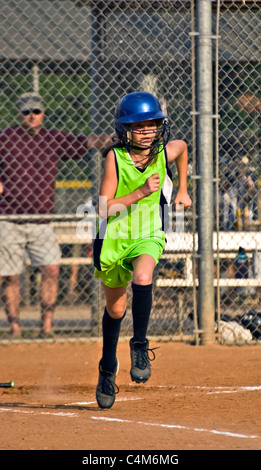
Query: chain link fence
(239,218)
(82,57)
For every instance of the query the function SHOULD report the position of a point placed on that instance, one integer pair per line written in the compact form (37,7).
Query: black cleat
(107,389)
(140,361)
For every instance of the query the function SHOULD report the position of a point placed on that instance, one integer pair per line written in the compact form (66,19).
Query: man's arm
(98,141)
(75,146)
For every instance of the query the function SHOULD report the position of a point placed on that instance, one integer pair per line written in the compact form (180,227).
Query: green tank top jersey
(134,230)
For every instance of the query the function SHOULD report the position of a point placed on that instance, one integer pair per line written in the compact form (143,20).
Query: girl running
(130,239)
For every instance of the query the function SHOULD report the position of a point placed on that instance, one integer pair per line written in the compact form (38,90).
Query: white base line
(176,426)
(236,390)
(53,413)
(118,420)
(95,402)
(60,413)
(213,389)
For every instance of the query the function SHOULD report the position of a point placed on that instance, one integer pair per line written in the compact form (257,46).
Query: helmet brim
(139,117)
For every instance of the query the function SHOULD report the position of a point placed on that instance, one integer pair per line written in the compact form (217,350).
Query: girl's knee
(116,301)
(142,278)
(116,311)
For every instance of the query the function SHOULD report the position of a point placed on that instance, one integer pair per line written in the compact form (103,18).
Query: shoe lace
(108,386)
(142,358)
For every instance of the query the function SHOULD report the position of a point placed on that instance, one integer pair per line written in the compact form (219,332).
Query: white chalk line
(214,390)
(60,413)
(237,390)
(118,420)
(53,413)
(176,426)
(124,399)
(93,402)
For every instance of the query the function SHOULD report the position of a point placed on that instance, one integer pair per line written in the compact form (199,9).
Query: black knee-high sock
(111,331)
(141,307)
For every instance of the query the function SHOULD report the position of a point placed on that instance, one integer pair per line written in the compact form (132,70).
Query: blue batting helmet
(137,107)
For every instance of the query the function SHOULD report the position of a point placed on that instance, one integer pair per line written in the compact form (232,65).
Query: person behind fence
(246,193)
(29,157)
(129,244)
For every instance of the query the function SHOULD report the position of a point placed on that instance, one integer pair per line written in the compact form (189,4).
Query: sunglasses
(26,112)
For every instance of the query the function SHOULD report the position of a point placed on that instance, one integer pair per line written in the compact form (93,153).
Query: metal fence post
(204,91)
(96,110)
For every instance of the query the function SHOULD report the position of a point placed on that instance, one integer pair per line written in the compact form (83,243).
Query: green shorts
(120,273)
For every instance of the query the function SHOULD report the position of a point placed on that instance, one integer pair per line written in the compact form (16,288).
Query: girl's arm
(177,150)
(108,204)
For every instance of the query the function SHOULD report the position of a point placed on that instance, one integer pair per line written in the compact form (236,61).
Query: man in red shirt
(29,157)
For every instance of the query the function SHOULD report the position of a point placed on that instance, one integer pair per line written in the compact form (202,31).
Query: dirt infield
(199,397)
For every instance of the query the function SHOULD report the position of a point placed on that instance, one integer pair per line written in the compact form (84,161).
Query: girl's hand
(183,198)
(1,188)
(151,185)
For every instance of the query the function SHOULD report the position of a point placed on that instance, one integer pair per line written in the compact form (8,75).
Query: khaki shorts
(38,242)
